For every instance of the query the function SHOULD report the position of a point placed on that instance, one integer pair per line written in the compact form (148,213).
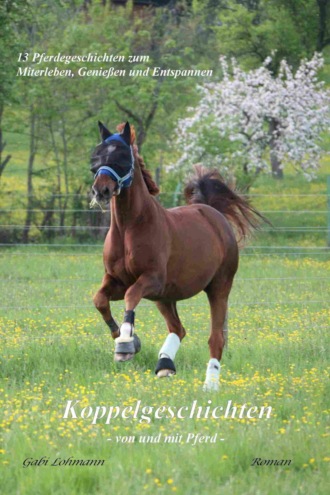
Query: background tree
(251,118)
(12,14)
(323,37)
(65,111)
(250,30)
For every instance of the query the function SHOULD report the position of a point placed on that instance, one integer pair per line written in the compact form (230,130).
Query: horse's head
(112,163)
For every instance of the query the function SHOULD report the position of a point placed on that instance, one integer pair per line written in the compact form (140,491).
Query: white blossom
(229,128)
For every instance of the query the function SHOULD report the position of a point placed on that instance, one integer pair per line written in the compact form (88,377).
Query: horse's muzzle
(103,189)
(103,195)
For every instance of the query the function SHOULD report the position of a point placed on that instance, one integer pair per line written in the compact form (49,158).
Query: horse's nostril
(105,191)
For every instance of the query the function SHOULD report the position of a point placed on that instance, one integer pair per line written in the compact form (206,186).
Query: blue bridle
(127,179)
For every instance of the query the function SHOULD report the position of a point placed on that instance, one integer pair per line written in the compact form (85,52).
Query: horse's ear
(127,133)
(104,131)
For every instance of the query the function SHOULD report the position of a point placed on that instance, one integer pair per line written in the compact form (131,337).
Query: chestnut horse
(165,255)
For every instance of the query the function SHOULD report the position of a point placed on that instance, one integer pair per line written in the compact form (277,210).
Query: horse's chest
(123,264)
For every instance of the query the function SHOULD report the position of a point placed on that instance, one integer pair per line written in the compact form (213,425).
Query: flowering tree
(252,121)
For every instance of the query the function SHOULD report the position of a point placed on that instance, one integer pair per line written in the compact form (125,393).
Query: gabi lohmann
(59,462)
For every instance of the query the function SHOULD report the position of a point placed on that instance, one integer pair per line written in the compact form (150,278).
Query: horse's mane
(150,183)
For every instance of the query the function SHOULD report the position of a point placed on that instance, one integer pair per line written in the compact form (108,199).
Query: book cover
(218,399)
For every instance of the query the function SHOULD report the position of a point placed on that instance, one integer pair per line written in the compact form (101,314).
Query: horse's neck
(131,203)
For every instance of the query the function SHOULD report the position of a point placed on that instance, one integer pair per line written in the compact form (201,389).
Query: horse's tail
(208,187)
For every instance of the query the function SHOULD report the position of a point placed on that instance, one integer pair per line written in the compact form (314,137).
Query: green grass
(56,348)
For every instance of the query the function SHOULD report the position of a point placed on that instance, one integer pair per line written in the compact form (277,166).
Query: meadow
(55,348)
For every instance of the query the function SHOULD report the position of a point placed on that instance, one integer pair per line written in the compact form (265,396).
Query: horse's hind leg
(165,365)
(218,299)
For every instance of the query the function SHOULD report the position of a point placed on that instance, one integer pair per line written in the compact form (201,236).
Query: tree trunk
(3,162)
(66,176)
(58,166)
(277,170)
(322,41)
(47,220)
(30,200)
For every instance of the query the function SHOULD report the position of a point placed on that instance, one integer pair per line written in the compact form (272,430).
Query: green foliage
(251,31)
(66,110)
(12,15)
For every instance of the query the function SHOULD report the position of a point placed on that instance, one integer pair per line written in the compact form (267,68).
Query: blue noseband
(127,179)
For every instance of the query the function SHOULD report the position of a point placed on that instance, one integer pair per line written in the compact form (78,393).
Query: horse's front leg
(110,289)
(128,343)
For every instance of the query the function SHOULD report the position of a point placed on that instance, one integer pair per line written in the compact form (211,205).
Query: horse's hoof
(165,367)
(126,348)
(211,386)
(137,343)
(121,357)
(165,373)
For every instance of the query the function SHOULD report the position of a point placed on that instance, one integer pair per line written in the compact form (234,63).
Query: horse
(165,255)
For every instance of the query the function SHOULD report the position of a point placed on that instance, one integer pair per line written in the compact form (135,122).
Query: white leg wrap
(212,375)
(126,333)
(170,346)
